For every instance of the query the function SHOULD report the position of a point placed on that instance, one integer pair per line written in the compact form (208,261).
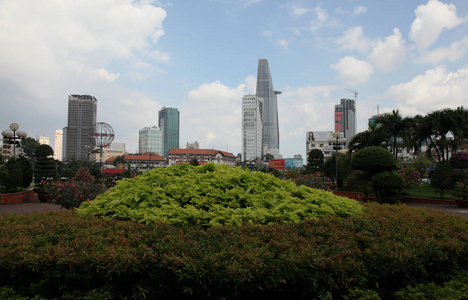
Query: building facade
(345,118)
(169,120)
(252,127)
(113,150)
(150,139)
(203,156)
(58,144)
(140,162)
(270,132)
(82,115)
(320,140)
(43,139)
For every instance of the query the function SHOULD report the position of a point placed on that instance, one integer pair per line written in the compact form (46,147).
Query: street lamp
(14,134)
(336,141)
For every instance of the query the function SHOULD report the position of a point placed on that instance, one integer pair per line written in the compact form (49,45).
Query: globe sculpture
(101,136)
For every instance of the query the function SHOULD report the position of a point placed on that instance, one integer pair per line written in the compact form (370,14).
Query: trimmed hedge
(384,249)
(213,195)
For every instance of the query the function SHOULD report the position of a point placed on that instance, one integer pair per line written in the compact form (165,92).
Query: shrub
(442,178)
(214,195)
(411,177)
(70,194)
(316,181)
(383,250)
(387,185)
(373,160)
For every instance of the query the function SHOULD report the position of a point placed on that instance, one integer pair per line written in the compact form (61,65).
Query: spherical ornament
(101,134)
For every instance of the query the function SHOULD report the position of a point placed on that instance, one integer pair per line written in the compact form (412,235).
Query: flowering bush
(71,194)
(316,181)
(412,178)
(83,174)
(459,160)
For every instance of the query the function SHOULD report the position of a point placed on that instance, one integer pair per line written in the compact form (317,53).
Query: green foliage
(373,160)
(385,249)
(442,178)
(387,185)
(344,167)
(212,195)
(194,162)
(70,194)
(29,146)
(44,151)
(315,161)
(456,288)
(68,173)
(412,178)
(316,181)
(11,176)
(45,169)
(26,171)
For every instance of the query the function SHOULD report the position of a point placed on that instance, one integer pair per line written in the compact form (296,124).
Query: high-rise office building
(252,107)
(58,144)
(270,107)
(169,123)
(345,118)
(82,115)
(150,139)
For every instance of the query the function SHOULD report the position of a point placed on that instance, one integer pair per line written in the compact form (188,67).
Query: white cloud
(284,44)
(354,39)
(212,116)
(390,52)
(249,2)
(251,84)
(359,10)
(431,19)
(454,52)
(267,33)
(353,71)
(436,89)
(105,75)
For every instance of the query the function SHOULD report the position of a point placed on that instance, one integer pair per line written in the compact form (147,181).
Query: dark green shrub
(11,176)
(387,185)
(442,178)
(385,249)
(26,171)
(373,160)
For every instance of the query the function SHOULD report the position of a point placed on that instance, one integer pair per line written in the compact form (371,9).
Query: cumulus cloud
(436,89)
(284,44)
(354,39)
(353,71)
(390,52)
(212,116)
(359,10)
(55,48)
(431,19)
(454,52)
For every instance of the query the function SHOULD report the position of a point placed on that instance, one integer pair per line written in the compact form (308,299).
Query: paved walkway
(42,207)
(29,207)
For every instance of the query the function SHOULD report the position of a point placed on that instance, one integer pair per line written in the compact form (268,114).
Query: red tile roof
(143,157)
(200,152)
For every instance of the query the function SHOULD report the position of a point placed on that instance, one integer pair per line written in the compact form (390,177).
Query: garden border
(19,197)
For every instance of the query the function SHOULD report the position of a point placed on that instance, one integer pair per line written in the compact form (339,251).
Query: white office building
(43,139)
(58,144)
(252,108)
(150,139)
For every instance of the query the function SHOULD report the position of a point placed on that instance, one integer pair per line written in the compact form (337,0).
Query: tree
(26,171)
(377,165)
(315,161)
(194,162)
(344,168)
(29,146)
(267,157)
(14,176)
(442,178)
(45,164)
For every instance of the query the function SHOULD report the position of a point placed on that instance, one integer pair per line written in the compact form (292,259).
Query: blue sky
(201,57)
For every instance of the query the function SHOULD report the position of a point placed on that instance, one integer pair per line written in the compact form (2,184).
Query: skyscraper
(252,107)
(169,123)
(270,139)
(58,144)
(345,118)
(150,139)
(82,114)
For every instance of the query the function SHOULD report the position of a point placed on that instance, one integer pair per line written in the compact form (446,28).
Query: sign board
(277,164)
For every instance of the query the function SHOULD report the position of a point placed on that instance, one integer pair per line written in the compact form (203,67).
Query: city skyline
(136,57)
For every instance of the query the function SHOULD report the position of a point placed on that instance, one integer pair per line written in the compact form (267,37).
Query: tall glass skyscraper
(252,107)
(82,114)
(270,134)
(150,139)
(169,124)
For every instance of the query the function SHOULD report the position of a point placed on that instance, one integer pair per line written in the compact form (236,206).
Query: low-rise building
(180,156)
(140,162)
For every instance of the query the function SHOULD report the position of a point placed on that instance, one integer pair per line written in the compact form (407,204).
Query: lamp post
(336,141)
(14,134)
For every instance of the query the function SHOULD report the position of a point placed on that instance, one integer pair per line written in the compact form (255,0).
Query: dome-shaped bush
(213,195)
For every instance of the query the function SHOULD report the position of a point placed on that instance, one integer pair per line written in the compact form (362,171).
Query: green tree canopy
(315,160)
(373,160)
(44,151)
(29,146)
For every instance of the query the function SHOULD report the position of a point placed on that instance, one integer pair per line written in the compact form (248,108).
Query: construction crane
(355,94)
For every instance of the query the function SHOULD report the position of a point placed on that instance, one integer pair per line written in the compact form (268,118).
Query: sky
(201,57)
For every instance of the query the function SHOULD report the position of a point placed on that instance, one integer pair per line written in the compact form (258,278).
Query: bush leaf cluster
(211,195)
(384,249)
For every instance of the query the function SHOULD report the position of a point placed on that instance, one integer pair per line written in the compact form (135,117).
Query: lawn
(427,191)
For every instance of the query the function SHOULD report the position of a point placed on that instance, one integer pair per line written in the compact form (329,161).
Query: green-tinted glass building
(169,124)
